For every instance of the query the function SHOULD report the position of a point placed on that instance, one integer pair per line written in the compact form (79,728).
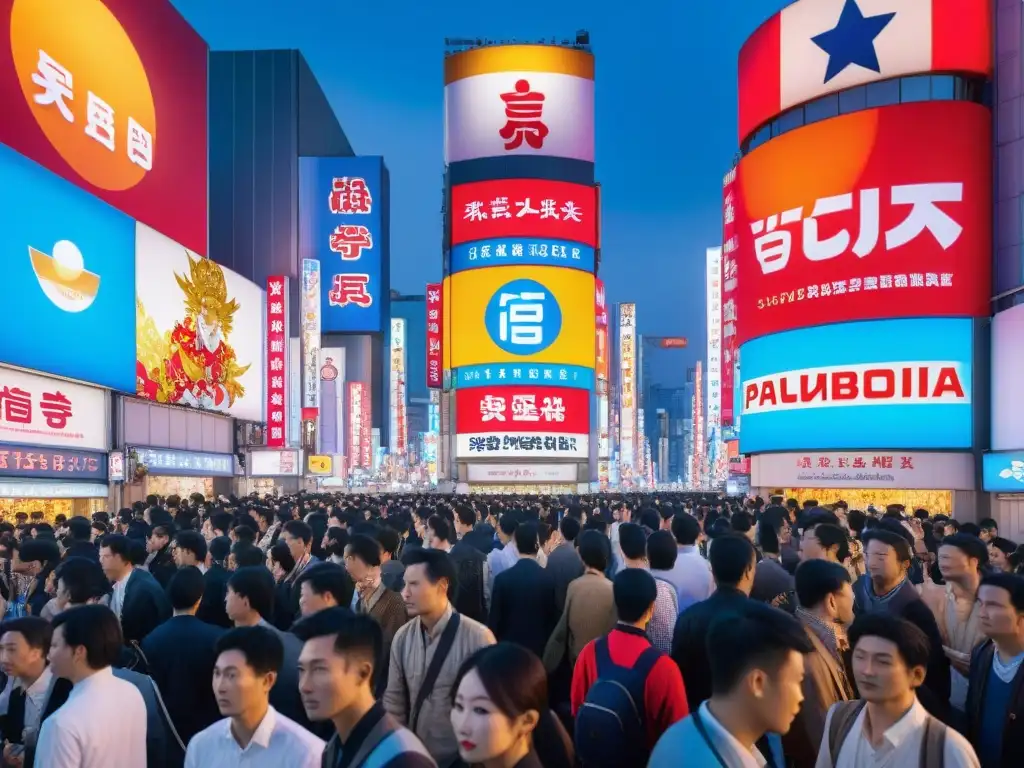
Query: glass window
(853,100)
(775,128)
(822,109)
(942,87)
(884,93)
(790,120)
(916,88)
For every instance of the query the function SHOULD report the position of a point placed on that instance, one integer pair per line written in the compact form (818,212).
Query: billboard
(627,385)
(521,251)
(522,315)
(890,227)
(899,470)
(535,208)
(435,335)
(600,304)
(519,100)
(199,330)
(277,360)
(43,411)
(52,463)
(1003,472)
(111,95)
(816,47)
(501,444)
(360,426)
(872,385)
(1007,375)
(730,270)
(396,387)
(69,268)
(713,285)
(524,408)
(310,318)
(341,201)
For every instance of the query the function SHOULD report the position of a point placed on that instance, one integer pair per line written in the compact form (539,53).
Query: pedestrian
(137,599)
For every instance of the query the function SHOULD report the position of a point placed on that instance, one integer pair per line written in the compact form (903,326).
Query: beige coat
(589,614)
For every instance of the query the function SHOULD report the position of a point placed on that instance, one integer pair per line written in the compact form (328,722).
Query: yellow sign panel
(319,465)
(520,315)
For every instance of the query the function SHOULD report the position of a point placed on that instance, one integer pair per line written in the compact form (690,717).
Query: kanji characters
(475,211)
(774,246)
(99,118)
(350,289)
(140,145)
(17,405)
(499,208)
(925,214)
(553,409)
(350,195)
(350,240)
(524,408)
(523,111)
(571,212)
(56,82)
(56,409)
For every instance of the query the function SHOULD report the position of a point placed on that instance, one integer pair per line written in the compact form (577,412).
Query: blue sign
(1003,472)
(888,384)
(521,251)
(69,278)
(343,205)
(51,464)
(523,317)
(161,461)
(547,374)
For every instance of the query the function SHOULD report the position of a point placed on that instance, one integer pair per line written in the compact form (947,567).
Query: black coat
(481,538)
(86,549)
(215,589)
(12,724)
(162,566)
(469,583)
(524,608)
(1013,728)
(145,606)
(181,654)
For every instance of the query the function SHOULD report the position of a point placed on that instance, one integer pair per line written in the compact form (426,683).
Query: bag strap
(444,647)
(933,745)
(603,657)
(167,716)
(844,715)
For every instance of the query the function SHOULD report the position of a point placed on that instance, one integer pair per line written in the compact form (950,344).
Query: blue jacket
(683,738)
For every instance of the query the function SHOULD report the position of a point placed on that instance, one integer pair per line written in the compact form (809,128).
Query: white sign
(310,323)
(17,490)
(398,431)
(522,473)
(115,467)
(1007,374)
(627,385)
(37,410)
(275,464)
(714,309)
(540,445)
(898,470)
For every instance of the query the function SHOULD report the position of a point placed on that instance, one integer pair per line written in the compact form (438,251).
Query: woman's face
(485,732)
(998,559)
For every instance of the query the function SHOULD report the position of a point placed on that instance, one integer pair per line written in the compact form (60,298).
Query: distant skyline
(665,124)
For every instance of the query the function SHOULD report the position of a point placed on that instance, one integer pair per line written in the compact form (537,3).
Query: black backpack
(611,724)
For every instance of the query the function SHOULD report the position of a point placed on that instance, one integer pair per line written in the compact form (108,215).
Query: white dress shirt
(36,696)
(734,753)
(117,594)
(101,725)
(277,742)
(901,744)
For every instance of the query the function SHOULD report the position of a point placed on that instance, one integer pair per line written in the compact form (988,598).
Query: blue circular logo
(523,318)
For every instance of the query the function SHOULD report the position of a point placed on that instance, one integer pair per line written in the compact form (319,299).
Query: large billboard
(627,385)
(42,411)
(728,316)
(341,216)
(501,444)
(891,226)
(309,324)
(816,47)
(111,95)
(515,100)
(531,208)
(69,268)
(199,330)
(867,385)
(1007,375)
(522,408)
(713,286)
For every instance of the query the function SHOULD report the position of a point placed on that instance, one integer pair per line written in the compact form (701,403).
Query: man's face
(355,566)
(62,655)
(883,563)
(778,697)
(182,557)
(328,681)
(998,559)
(156,542)
(997,614)
(880,671)
(987,534)
(310,602)
(295,545)
(419,594)
(954,563)
(236,686)
(844,605)
(17,657)
(236,606)
(113,566)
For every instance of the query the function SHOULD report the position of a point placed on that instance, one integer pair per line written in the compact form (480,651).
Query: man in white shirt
(103,722)
(252,734)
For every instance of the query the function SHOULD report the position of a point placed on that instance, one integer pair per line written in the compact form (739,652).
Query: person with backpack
(888,725)
(625,692)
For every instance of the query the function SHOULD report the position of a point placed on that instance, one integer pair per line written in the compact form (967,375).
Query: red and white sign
(799,54)
(879,469)
(891,226)
(360,426)
(600,304)
(37,410)
(435,335)
(277,360)
(555,210)
(730,270)
(536,445)
(558,410)
(522,473)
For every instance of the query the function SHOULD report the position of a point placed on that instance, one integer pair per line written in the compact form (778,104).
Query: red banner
(277,361)
(600,304)
(360,426)
(873,215)
(730,270)
(673,342)
(522,409)
(524,208)
(435,335)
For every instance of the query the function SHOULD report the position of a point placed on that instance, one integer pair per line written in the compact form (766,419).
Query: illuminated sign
(880,384)
(1003,472)
(160,461)
(277,360)
(727,315)
(396,388)
(627,385)
(42,411)
(113,99)
(275,463)
(514,100)
(320,465)
(435,335)
(50,464)
(525,473)
(360,427)
(713,285)
(600,304)
(522,409)
(526,251)
(542,373)
(890,227)
(1007,406)
(310,319)
(902,470)
(539,445)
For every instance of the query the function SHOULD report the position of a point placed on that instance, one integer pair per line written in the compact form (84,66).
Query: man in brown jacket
(825,597)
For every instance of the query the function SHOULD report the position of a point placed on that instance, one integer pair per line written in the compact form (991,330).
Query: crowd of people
(603,631)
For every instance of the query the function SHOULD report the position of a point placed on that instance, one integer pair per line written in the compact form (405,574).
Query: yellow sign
(520,315)
(319,465)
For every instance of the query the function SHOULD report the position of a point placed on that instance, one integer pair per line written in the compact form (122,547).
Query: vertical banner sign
(698,426)
(601,372)
(277,359)
(627,408)
(730,270)
(435,334)
(399,436)
(356,396)
(310,339)
(714,299)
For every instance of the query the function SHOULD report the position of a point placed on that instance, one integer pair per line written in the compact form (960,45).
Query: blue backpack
(611,724)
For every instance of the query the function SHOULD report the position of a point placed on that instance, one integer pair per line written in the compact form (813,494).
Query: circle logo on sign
(87,89)
(523,317)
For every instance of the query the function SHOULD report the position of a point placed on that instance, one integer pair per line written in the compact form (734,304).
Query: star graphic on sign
(852,40)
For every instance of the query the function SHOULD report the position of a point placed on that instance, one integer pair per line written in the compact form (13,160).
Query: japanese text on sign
(45,463)
(882,461)
(435,337)
(524,109)
(527,443)
(215,464)
(16,407)
(277,336)
(499,208)
(522,408)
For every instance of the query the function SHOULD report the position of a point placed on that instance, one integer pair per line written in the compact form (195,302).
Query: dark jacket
(564,565)
(524,609)
(215,589)
(379,740)
(12,724)
(469,583)
(689,648)
(481,538)
(1013,728)
(162,566)
(86,549)
(162,750)
(145,606)
(181,654)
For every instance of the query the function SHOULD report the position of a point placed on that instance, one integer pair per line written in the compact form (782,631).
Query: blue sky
(666,121)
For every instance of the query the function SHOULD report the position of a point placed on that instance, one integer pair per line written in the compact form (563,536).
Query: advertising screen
(509,100)
(200,337)
(815,47)
(537,445)
(524,208)
(904,470)
(897,384)
(42,411)
(521,251)
(891,226)
(1007,375)
(69,271)
(341,200)
(276,358)
(435,335)
(111,95)
(1003,472)
(627,384)
(730,270)
(525,408)
(51,463)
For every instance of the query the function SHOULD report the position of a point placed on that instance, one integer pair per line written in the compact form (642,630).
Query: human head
(824,587)
(499,695)
(733,560)
(962,556)
(633,542)
(280,560)
(825,542)
(429,574)
(888,556)
(890,656)
(185,589)
(1000,551)
(527,539)
(569,528)
(507,526)
(79,582)
(250,595)
(363,558)
(439,533)
(338,663)
(989,529)
(298,536)
(248,661)
(593,550)
(79,528)
(24,645)
(634,591)
(324,585)
(1001,612)
(662,550)
(115,556)
(245,555)
(34,556)
(85,639)
(685,529)
(189,549)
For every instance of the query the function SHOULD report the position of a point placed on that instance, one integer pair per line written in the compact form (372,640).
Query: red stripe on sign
(760,76)
(962,36)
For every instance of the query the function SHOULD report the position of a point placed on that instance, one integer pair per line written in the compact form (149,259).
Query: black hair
(83,579)
(389,539)
(570,528)
(245,533)
(592,547)
(970,545)
(829,536)
(662,551)
(192,541)
(35,629)
(119,545)
(299,530)
(513,677)
(816,515)
(1005,546)
(911,642)
(221,521)
(355,635)
(817,579)
(970,529)
(987,523)
(892,539)
(261,647)
(328,578)
(650,519)
(686,529)
(632,541)
(366,548)
(94,627)
(280,554)
(219,548)
(527,539)
(635,591)
(508,523)
(80,528)
(437,564)
(731,556)
(1012,583)
(440,527)
(256,585)
(43,551)
(466,515)
(185,588)
(742,522)
(731,653)
(247,555)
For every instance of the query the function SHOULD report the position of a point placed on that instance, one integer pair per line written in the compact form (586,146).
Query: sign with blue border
(521,251)
(509,373)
